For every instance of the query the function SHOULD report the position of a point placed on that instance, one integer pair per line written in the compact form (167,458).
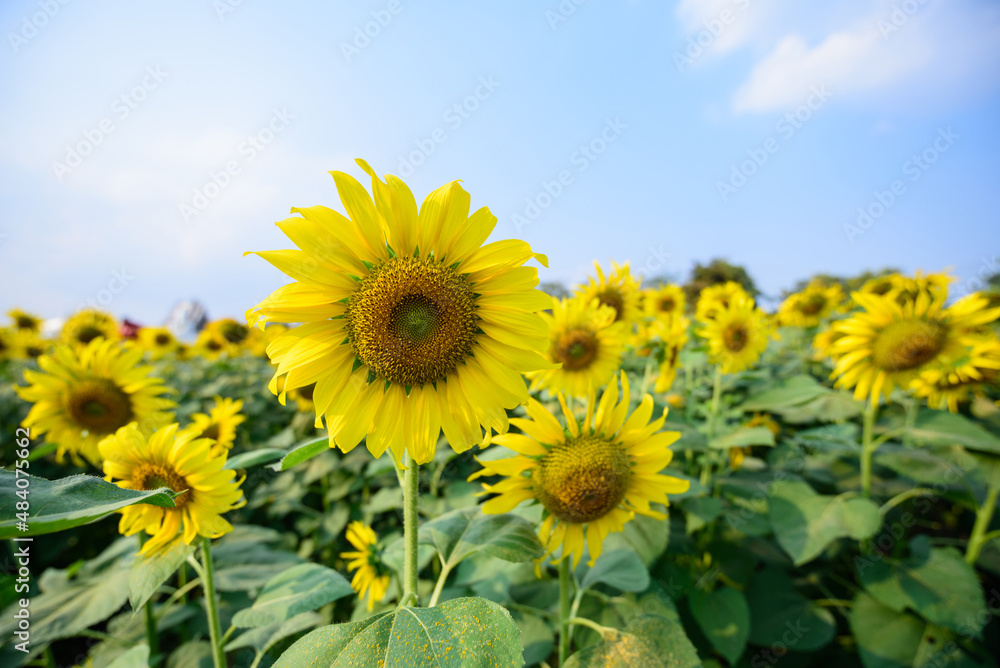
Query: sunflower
(590,478)
(664,302)
(6,344)
(83,327)
(619,290)
(219,424)
(211,344)
(715,298)
(178,460)
(882,285)
(82,396)
(949,384)
(889,343)
(371,576)
(908,288)
(823,343)
(158,341)
(674,336)
(585,339)
(23,343)
(233,332)
(737,334)
(411,325)
(24,320)
(811,306)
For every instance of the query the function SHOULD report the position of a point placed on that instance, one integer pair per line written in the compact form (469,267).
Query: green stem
(646,374)
(564,610)
(984,515)
(583,621)
(411,488)
(152,639)
(50,660)
(442,578)
(211,604)
(716,399)
(867,449)
(912,408)
(903,496)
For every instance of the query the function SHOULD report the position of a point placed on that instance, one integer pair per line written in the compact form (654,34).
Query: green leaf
(302,453)
(784,393)
(890,639)
(724,617)
(742,438)
(943,428)
(920,464)
(137,657)
(245,460)
(299,589)
(830,407)
(936,583)
(700,511)
(805,522)
(781,616)
(57,505)
(149,571)
(621,569)
(648,641)
(465,531)
(617,649)
(460,633)
(263,638)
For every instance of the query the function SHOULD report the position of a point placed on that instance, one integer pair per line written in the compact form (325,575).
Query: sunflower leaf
(56,505)
(149,571)
(303,452)
(465,531)
(299,589)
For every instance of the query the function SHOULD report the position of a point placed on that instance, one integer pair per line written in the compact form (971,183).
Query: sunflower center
(33,351)
(412,320)
(153,476)
(24,322)
(88,333)
(667,305)
(614,299)
(813,305)
(212,432)
(233,332)
(576,349)
(162,339)
(99,406)
(735,337)
(583,479)
(214,345)
(908,344)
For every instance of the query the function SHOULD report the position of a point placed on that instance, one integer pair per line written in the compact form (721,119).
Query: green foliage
(715,272)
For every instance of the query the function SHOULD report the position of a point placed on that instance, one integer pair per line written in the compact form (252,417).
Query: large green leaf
(936,583)
(137,657)
(806,522)
(784,393)
(943,428)
(743,437)
(781,616)
(724,617)
(57,505)
(263,638)
(621,569)
(460,633)
(149,571)
(303,452)
(299,589)
(890,639)
(465,531)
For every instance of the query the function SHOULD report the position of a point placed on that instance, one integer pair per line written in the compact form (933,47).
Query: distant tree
(659,280)
(554,288)
(848,283)
(715,272)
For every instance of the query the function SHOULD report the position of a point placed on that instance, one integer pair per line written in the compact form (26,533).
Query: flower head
(219,424)
(371,577)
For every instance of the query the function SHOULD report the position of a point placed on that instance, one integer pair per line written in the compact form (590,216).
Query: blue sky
(748,129)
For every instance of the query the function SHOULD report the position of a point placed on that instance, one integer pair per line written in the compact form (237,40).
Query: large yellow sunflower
(84,326)
(81,397)
(158,341)
(219,424)
(24,320)
(948,384)
(737,334)
(714,298)
(371,576)
(618,289)
(811,306)
(411,325)
(591,478)
(889,343)
(585,339)
(180,461)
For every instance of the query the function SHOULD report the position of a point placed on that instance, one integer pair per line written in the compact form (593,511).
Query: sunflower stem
(411,479)
(646,374)
(912,408)
(716,400)
(564,611)
(442,578)
(867,449)
(211,605)
(984,515)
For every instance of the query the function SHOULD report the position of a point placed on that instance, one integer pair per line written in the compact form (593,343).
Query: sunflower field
(410,455)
